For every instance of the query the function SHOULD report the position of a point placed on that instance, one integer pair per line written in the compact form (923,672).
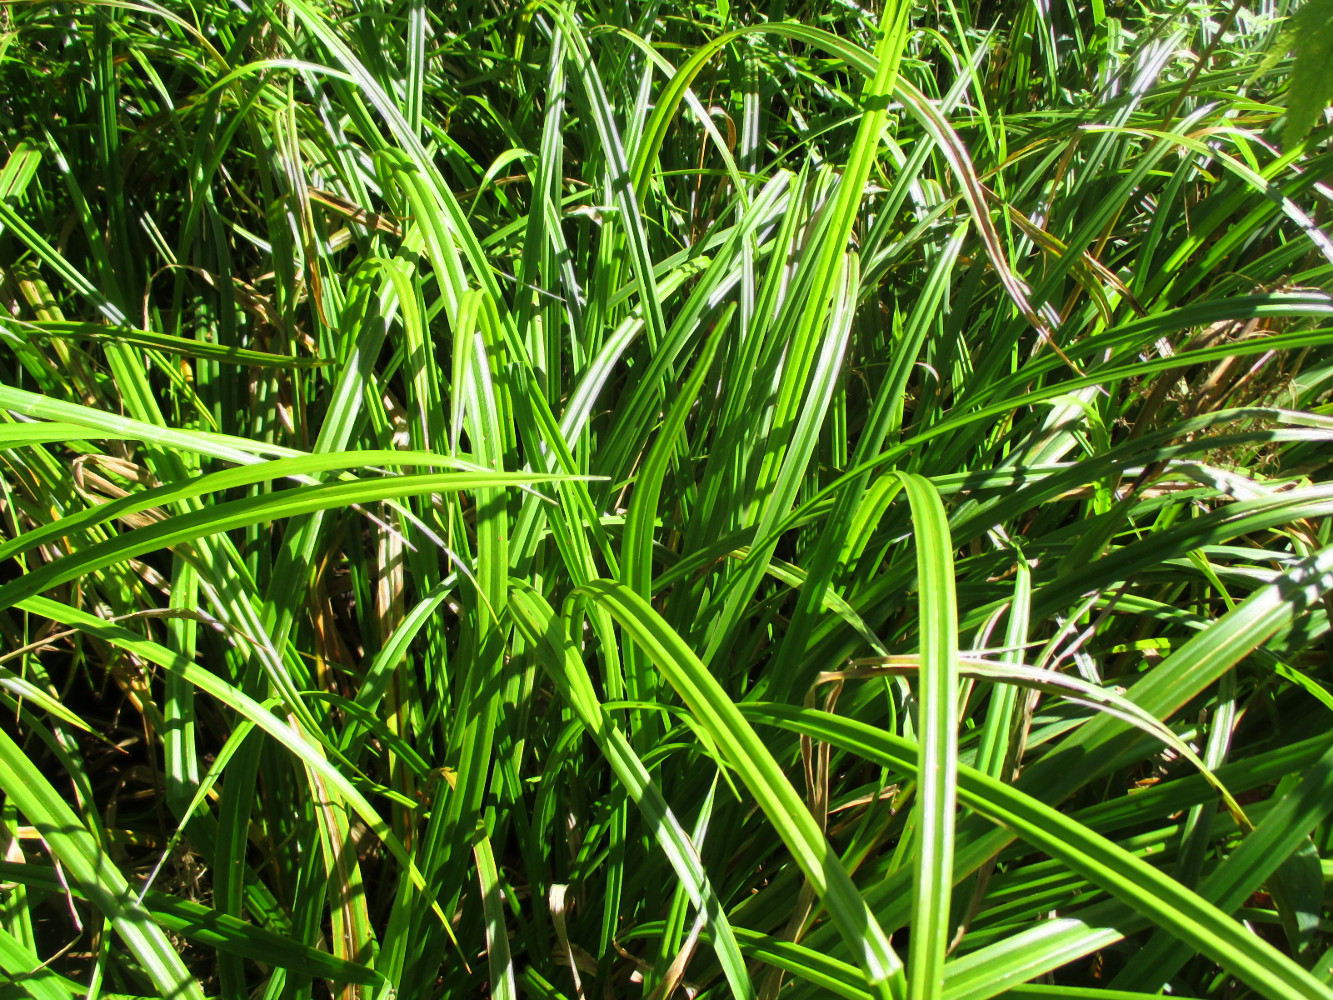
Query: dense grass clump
(598,500)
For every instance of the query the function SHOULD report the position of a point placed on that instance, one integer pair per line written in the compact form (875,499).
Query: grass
(664,500)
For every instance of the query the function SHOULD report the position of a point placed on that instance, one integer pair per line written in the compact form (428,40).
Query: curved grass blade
(498,956)
(1072,688)
(288,736)
(88,865)
(239,513)
(212,929)
(938,763)
(536,620)
(1186,915)
(718,717)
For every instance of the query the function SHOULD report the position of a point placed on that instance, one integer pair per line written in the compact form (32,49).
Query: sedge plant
(715,500)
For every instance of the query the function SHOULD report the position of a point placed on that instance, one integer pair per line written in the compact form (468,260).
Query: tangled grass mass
(581,500)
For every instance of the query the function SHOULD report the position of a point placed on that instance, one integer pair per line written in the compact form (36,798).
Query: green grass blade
(1158,896)
(938,727)
(87,864)
(718,717)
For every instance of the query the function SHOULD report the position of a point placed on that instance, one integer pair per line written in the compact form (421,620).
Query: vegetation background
(666,500)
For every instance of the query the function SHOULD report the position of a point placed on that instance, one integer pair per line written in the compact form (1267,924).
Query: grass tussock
(596,500)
